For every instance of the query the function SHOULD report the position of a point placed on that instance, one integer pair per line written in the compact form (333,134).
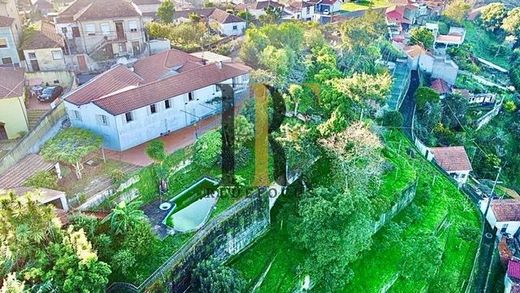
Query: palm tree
(126,216)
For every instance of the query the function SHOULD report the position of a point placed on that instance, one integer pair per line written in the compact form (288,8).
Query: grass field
(365,4)
(276,257)
(485,44)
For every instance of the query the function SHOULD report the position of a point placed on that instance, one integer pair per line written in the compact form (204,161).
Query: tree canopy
(71,146)
(511,23)
(492,15)
(165,11)
(36,248)
(422,36)
(209,276)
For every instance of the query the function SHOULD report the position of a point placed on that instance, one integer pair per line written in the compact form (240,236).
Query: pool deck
(156,217)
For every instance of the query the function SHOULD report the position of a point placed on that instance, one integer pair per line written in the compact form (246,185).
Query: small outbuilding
(453,160)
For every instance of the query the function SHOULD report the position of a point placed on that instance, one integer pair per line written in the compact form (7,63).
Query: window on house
(7,60)
(153,108)
(167,104)
(105,29)
(102,120)
(122,47)
(57,54)
(77,115)
(3,43)
(132,25)
(235,27)
(32,55)
(129,117)
(90,28)
(64,30)
(190,96)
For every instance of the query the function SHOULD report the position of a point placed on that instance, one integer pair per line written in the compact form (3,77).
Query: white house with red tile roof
(226,23)
(503,214)
(160,94)
(454,161)
(300,10)
(512,277)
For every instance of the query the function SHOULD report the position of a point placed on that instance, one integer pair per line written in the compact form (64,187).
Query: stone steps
(34,116)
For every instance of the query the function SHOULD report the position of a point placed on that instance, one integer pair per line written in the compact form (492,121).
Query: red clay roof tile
(452,159)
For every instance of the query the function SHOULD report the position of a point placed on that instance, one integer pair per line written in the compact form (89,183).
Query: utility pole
(492,191)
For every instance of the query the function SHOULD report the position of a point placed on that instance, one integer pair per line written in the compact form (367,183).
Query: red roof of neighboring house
(147,2)
(440,86)
(396,14)
(67,15)
(23,170)
(215,14)
(328,2)
(452,159)
(450,39)
(44,37)
(504,251)
(108,9)
(106,83)
(506,210)
(176,85)
(5,21)
(414,51)
(11,82)
(299,4)
(265,4)
(513,268)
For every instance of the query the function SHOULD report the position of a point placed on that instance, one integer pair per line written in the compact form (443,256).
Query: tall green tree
(334,228)
(71,146)
(422,36)
(456,10)
(425,95)
(165,11)
(125,216)
(492,15)
(511,23)
(157,152)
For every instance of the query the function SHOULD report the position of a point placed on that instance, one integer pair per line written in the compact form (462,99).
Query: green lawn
(381,263)
(365,4)
(485,44)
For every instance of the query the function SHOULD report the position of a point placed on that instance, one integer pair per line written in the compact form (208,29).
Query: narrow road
(408,105)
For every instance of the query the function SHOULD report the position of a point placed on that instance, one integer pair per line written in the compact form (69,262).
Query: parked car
(50,93)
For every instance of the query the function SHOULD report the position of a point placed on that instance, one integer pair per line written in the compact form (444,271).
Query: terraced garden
(439,209)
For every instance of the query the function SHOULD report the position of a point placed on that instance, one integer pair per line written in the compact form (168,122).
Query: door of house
(82,63)
(110,50)
(3,132)
(34,65)
(75,32)
(120,31)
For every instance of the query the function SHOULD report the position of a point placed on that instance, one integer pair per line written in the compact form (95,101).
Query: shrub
(469,233)
(393,119)
(117,176)
(207,149)
(510,106)
(43,179)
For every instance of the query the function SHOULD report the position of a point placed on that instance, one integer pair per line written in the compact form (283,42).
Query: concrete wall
(45,59)
(14,115)
(32,142)
(10,51)
(65,78)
